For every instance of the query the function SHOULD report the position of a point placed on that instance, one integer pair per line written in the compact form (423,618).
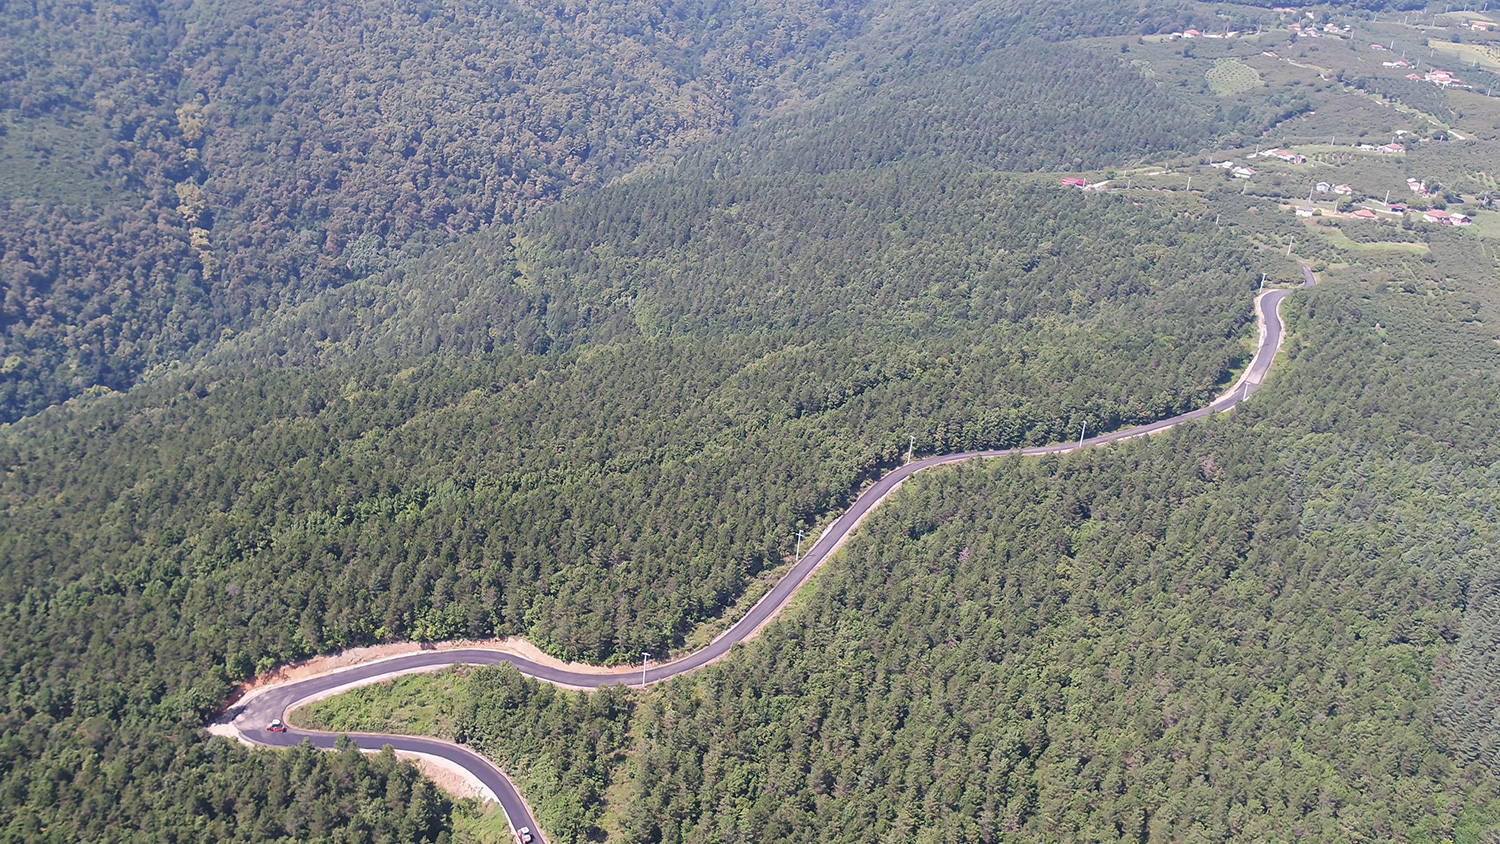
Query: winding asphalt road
(251,716)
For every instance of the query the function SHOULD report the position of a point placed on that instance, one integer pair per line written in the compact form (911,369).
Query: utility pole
(1190,183)
(1082,431)
(797,557)
(1216,218)
(1262,281)
(1289,247)
(910,446)
(644,657)
(1387,197)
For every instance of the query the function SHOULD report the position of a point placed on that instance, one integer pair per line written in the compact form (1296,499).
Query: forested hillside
(1233,631)
(989,110)
(561,321)
(579,497)
(1216,634)
(592,427)
(170,173)
(105,783)
(174,169)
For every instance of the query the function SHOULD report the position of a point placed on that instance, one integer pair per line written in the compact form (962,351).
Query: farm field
(1231,76)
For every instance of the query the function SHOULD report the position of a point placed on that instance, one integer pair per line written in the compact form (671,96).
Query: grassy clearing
(1486,225)
(1335,237)
(1230,76)
(1486,55)
(417,708)
(483,826)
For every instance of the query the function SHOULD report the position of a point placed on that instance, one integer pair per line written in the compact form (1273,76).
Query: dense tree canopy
(1229,632)
(170,173)
(445,319)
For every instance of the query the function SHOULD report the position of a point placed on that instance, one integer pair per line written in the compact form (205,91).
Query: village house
(1243,172)
(1304,212)
(1075,183)
(1323,187)
(1392,149)
(1364,214)
(1437,216)
(1343,190)
(1285,155)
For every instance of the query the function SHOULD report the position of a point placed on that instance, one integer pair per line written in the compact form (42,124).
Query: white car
(525,835)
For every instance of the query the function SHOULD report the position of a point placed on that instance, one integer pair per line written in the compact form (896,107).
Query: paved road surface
(255,713)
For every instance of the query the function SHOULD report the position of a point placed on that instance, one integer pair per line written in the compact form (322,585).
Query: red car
(277,726)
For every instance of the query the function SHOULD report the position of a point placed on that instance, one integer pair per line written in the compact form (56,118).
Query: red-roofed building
(1075,183)
(1364,214)
(1437,216)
